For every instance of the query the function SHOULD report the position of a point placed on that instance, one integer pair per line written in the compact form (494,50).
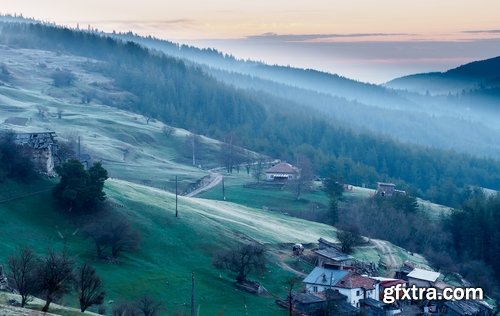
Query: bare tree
(96,232)
(303,180)
(291,283)
(122,237)
(88,286)
(55,277)
(258,170)
(193,144)
(242,260)
(148,306)
(66,150)
(62,78)
(168,130)
(125,309)
(230,154)
(42,111)
(60,113)
(23,274)
(113,232)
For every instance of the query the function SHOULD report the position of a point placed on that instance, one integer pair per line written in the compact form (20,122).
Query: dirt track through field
(215,178)
(390,260)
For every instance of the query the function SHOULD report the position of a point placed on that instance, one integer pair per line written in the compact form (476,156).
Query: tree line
(56,274)
(183,96)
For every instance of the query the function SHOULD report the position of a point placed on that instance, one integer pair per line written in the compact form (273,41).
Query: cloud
(143,24)
(482,31)
(315,37)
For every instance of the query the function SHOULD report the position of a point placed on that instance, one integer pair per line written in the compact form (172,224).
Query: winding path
(215,178)
(391,261)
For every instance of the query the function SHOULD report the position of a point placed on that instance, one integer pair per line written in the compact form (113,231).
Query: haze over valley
(143,171)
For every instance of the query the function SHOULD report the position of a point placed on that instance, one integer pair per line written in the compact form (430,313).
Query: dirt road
(390,260)
(215,178)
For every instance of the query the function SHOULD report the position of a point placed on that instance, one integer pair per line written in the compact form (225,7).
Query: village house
(43,148)
(282,172)
(357,287)
(321,279)
(422,278)
(371,307)
(385,189)
(388,189)
(354,286)
(330,302)
(333,257)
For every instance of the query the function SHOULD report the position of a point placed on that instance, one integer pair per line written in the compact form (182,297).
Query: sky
(366,40)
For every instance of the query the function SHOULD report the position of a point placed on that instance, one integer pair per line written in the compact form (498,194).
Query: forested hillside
(169,90)
(409,117)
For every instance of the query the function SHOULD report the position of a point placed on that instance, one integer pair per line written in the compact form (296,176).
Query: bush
(63,78)
(78,188)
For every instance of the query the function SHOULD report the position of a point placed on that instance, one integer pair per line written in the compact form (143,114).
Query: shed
(422,278)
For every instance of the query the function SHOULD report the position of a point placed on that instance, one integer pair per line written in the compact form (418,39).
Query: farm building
(331,256)
(43,147)
(422,278)
(385,189)
(282,172)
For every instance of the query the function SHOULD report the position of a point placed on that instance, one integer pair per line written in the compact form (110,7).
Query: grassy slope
(106,133)
(171,248)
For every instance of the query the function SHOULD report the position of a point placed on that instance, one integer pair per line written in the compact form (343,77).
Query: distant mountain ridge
(311,79)
(476,75)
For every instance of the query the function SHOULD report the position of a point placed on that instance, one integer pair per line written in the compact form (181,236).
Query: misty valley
(139,176)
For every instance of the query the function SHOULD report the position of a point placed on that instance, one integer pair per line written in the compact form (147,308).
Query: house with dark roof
(467,308)
(282,172)
(371,307)
(333,257)
(330,302)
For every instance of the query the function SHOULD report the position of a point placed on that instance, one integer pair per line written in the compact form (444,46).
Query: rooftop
(333,254)
(371,302)
(307,298)
(354,281)
(390,283)
(386,184)
(464,307)
(425,275)
(282,167)
(325,277)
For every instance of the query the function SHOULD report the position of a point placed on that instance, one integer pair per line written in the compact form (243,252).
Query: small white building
(422,278)
(354,286)
(357,287)
(282,172)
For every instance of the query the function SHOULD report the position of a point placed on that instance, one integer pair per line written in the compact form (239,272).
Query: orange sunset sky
(363,39)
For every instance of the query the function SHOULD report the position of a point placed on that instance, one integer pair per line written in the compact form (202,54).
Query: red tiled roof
(353,281)
(390,283)
(282,167)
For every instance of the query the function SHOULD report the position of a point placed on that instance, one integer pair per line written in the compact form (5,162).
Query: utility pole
(223,189)
(192,295)
(79,149)
(193,148)
(176,194)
